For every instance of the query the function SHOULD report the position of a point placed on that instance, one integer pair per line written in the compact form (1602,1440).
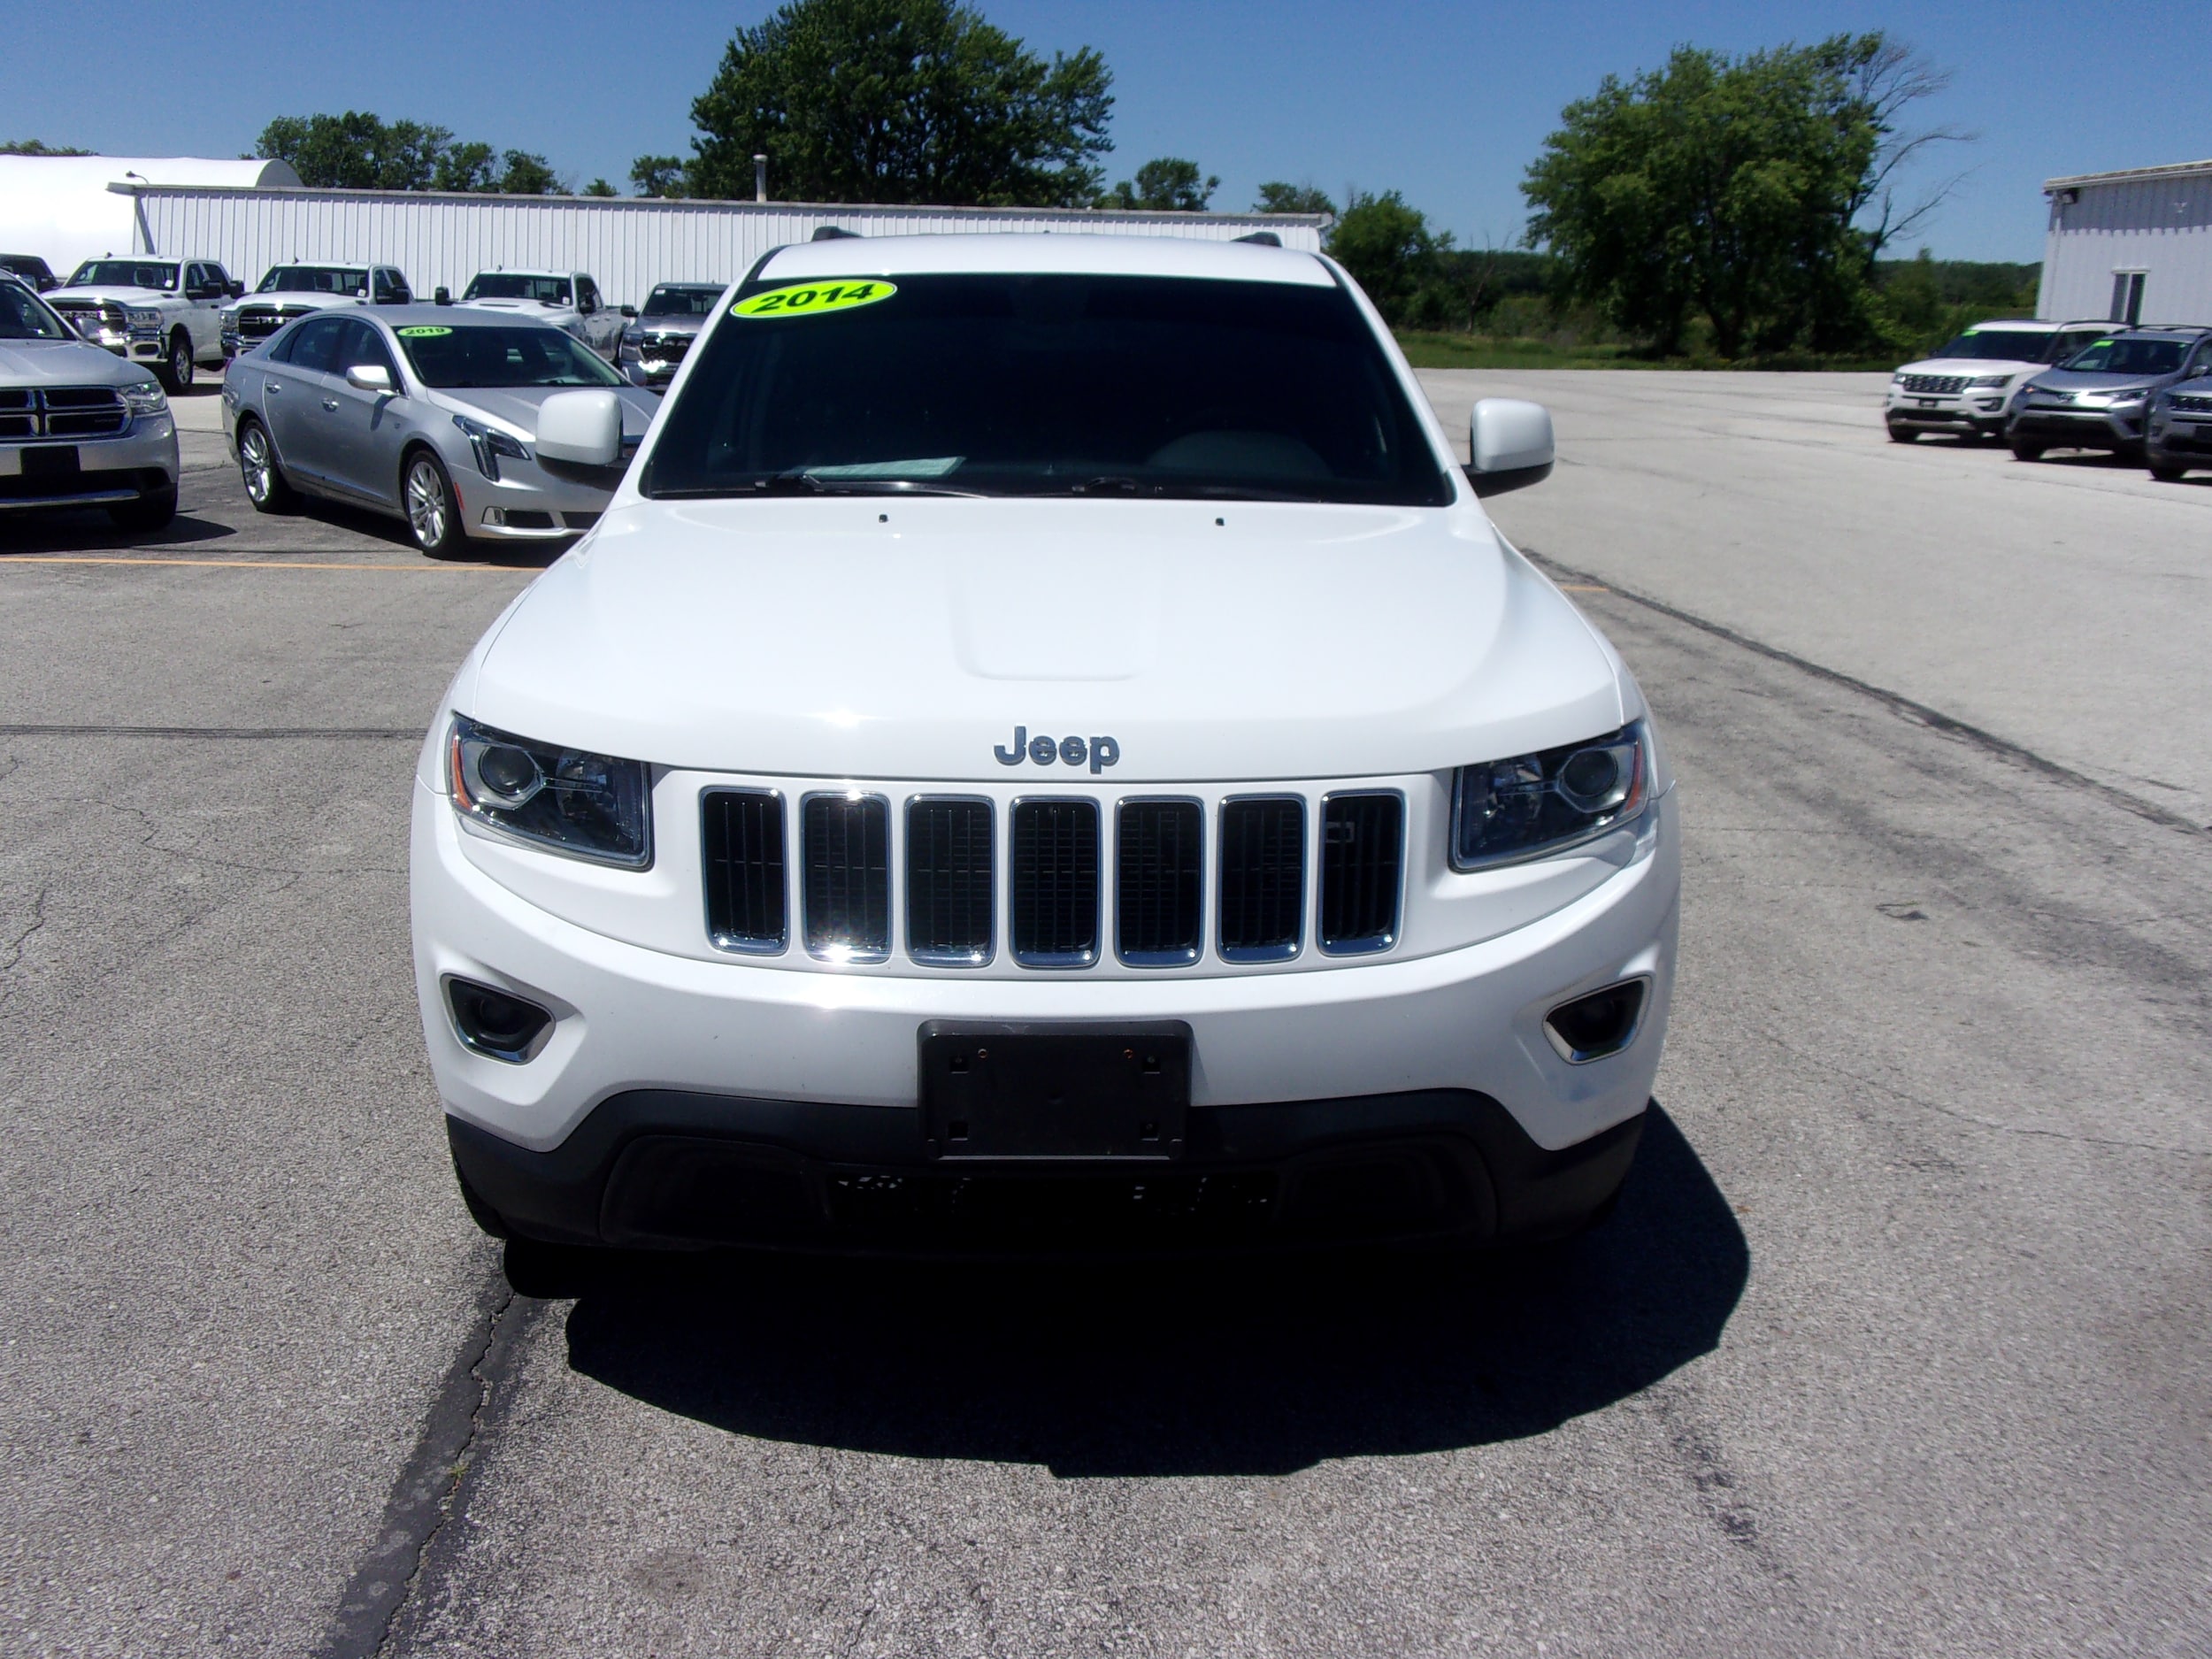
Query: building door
(2127,297)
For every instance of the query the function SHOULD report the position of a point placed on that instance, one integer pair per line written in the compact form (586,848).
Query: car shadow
(90,530)
(1178,1367)
(393,534)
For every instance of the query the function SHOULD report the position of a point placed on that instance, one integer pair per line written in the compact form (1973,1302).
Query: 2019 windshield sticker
(421,331)
(810,299)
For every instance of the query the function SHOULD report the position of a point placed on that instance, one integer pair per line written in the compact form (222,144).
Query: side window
(361,345)
(390,287)
(316,345)
(195,280)
(586,296)
(218,281)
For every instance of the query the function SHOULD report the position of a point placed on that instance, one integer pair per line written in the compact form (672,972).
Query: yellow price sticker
(420,331)
(811,299)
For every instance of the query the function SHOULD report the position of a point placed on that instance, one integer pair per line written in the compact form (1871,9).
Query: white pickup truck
(568,300)
(165,313)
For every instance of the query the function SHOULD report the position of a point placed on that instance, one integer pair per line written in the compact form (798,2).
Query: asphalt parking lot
(1898,1344)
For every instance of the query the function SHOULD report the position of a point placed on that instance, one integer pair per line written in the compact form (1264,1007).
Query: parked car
(168,313)
(430,414)
(568,300)
(1965,388)
(1044,748)
(653,345)
(78,429)
(2097,399)
(291,291)
(2179,436)
(31,268)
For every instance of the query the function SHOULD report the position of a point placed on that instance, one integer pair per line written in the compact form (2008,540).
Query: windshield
(513,285)
(124,274)
(1047,385)
(22,317)
(2007,345)
(449,357)
(681,299)
(2129,356)
(314,278)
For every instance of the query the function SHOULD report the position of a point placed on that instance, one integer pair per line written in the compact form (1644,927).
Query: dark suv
(2099,398)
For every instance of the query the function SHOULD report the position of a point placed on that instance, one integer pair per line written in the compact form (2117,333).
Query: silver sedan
(429,413)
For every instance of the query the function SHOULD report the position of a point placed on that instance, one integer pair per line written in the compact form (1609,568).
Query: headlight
(1504,810)
(585,805)
(2130,395)
(1989,379)
(143,316)
(488,443)
(144,397)
(631,336)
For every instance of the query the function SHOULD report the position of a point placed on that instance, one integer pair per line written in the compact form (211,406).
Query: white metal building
(2133,245)
(627,244)
(67,209)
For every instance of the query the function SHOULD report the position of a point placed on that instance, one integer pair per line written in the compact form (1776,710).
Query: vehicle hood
(537,309)
(65,363)
(517,410)
(2077,380)
(892,639)
(687,324)
(1970,366)
(294,302)
(125,296)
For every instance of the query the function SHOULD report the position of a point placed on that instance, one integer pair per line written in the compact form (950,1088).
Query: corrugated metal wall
(2162,227)
(626,245)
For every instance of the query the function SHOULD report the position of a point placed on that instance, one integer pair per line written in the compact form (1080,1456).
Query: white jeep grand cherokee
(1044,749)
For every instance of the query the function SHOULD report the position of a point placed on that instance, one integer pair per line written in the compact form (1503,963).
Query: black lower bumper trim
(659,1169)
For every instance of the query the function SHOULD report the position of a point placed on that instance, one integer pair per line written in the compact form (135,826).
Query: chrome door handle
(274,387)
(330,402)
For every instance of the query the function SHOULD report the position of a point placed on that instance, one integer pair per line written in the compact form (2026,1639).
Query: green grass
(1483,351)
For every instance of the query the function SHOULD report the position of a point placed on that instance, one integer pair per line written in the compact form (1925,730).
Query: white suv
(1045,749)
(1963,388)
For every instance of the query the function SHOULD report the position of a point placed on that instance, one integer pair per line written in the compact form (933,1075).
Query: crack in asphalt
(2004,749)
(433,1483)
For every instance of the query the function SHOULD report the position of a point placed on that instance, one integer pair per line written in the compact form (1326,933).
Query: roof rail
(1265,238)
(832,233)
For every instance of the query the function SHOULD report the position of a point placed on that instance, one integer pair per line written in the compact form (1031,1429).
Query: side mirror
(369,376)
(237,289)
(582,429)
(442,297)
(1510,445)
(628,310)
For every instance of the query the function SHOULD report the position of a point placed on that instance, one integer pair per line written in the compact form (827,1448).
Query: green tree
(33,147)
(361,151)
(659,176)
(1722,189)
(1169,185)
(600,187)
(464,167)
(1293,198)
(526,172)
(1390,250)
(899,101)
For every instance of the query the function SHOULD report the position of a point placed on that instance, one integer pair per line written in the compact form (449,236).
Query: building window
(2127,297)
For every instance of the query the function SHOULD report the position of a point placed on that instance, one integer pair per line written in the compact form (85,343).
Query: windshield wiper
(799,481)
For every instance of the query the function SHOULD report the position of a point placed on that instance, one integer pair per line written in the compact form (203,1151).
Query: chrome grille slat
(1938,384)
(949,882)
(1054,889)
(62,412)
(1361,843)
(743,844)
(1159,882)
(1263,879)
(847,876)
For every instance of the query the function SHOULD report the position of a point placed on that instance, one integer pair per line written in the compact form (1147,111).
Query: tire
(2026,451)
(261,473)
(1904,435)
(434,515)
(148,513)
(2168,474)
(177,368)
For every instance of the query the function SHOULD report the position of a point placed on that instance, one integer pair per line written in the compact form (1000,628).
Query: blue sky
(1448,103)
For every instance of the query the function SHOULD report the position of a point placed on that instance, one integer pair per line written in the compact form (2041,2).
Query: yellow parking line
(246,564)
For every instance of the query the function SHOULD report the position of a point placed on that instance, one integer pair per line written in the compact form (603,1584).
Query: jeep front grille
(1361,840)
(1263,879)
(1159,883)
(949,882)
(1054,893)
(742,833)
(1935,383)
(847,876)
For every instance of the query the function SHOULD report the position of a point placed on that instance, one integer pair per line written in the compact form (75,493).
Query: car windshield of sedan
(2128,356)
(314,278)
(123,274)
(22,317)
(513,285)
(2005,345)
(681,299)
(452,358)
(1110,387)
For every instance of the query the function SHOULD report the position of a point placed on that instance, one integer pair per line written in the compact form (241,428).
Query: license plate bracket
(50,460)
(1044,1092)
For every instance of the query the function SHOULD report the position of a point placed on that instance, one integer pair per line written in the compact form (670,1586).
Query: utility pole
(760,178)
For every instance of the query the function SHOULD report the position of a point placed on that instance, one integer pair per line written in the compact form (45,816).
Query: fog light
(1598,1024)
(496,516)
(495,1023)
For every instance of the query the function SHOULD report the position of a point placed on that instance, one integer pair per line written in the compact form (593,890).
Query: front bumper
(527,502)
(1431,1073)
(2078,428)
(137,462)
(1978,411)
